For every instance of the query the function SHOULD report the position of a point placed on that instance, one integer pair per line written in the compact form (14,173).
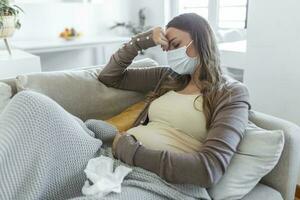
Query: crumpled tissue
(100,172)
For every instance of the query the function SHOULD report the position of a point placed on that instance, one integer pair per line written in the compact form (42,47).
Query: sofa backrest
(79,92)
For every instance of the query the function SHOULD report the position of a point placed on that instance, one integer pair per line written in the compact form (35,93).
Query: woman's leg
(43,150)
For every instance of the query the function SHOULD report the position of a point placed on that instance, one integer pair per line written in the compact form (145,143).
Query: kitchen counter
(59,44)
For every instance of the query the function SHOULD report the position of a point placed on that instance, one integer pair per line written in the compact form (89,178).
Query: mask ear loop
(187,46)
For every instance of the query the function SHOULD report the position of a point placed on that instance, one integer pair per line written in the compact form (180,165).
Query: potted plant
(9,21)
(132,27)
(135,28)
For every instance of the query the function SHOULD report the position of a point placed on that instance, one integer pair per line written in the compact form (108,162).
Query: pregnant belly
(160,137)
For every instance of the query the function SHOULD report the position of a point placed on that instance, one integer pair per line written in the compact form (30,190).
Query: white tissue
(100,172)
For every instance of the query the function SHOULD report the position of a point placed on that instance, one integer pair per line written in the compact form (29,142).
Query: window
(222,14)
(197,6)
(232,14)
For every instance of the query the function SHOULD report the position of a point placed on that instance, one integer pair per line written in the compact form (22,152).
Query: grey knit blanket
(44,151)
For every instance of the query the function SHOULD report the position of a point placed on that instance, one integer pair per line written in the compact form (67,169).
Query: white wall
(273,70)
(47,20)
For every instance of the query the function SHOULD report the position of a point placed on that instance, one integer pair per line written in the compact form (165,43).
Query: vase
(8,26)
(7,29)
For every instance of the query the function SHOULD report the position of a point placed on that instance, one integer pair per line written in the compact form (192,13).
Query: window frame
(213,14)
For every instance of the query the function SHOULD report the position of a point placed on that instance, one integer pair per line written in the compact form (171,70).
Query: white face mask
(180,62)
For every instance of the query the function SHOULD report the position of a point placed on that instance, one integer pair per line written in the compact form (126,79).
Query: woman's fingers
(163,41)
(156,35)
(159,38)
(164,44)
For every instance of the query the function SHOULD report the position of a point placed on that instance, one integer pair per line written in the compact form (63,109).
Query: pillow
(256,156)
(125,119)
(79,92)
(5,95)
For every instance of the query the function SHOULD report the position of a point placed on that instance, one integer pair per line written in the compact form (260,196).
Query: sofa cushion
(79,92)
(256,156)
(5,95)
(264,192)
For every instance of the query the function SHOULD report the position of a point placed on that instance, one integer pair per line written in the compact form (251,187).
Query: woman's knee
(30,97)
(31,101)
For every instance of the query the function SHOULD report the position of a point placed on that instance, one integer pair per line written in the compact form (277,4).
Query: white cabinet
(58,54)
(19,62)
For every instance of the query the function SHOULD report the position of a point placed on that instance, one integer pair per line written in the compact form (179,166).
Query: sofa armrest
(12,83)
(284,176)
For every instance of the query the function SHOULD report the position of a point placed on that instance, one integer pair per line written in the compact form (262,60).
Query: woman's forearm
(116,74)
(181,168)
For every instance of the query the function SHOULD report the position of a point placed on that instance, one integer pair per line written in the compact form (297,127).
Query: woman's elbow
(214,177)
(102,78)
(209,179)
(212,181)
(106,80)
(203,180)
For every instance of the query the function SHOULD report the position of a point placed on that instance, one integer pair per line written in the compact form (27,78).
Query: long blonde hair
(209,73)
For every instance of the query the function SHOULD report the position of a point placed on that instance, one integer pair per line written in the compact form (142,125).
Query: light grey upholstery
(263,192)
(283,178)
(12,83)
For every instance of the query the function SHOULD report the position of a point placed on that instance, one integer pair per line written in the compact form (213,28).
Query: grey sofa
(279,184)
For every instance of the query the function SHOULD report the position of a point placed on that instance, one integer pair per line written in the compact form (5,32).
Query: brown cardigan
(229,120)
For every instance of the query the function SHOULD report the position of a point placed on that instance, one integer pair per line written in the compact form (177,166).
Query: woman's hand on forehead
(159,37)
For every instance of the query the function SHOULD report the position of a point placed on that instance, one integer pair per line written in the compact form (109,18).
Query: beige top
(174,124)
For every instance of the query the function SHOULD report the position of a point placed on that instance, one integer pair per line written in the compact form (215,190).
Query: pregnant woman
(193,121)
(195,118)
